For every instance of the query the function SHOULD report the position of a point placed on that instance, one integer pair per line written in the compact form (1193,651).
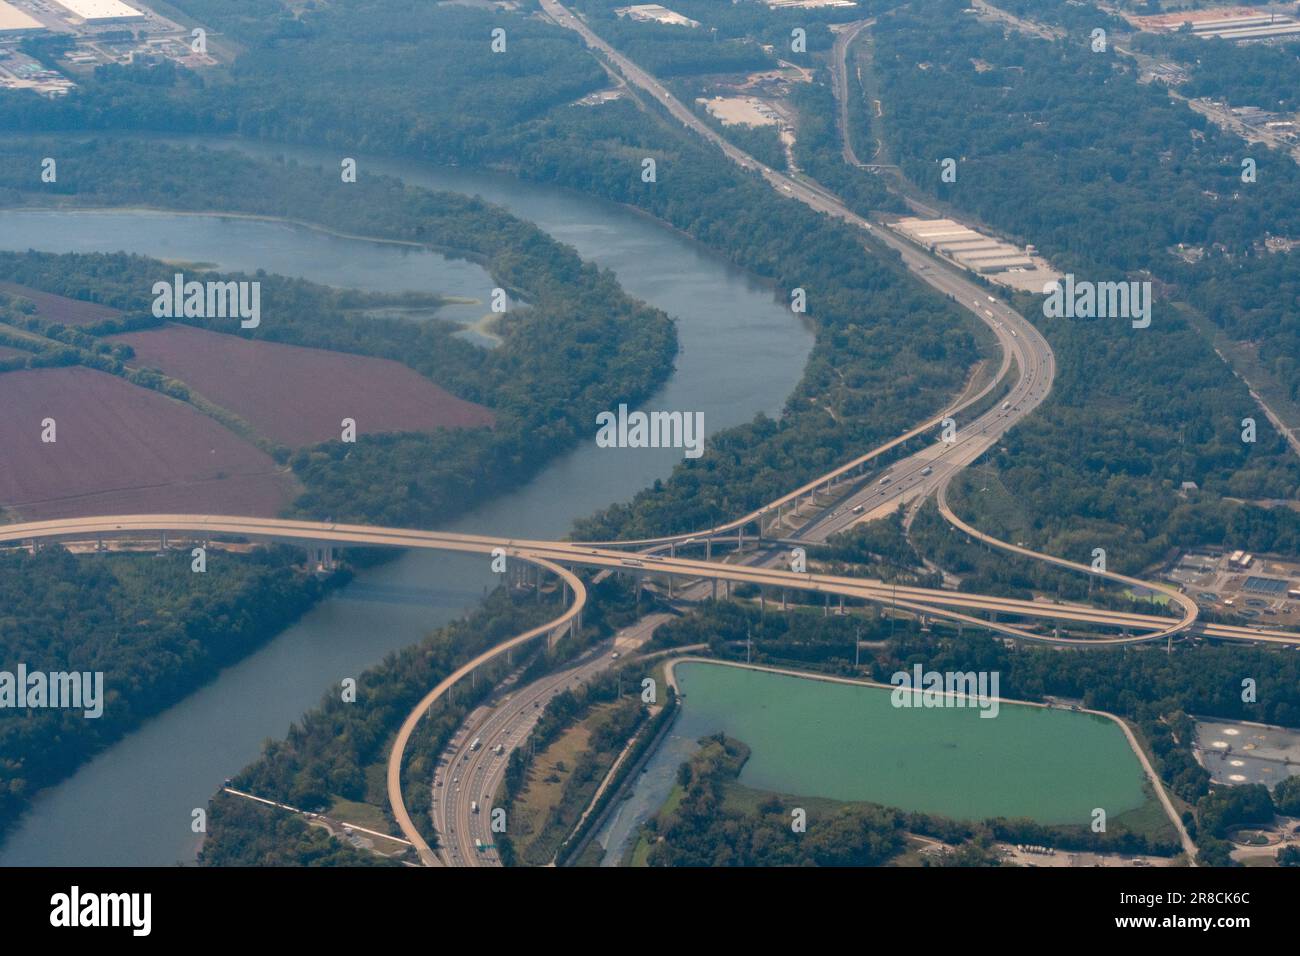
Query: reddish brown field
(57,308)
(298,396)
(122,450)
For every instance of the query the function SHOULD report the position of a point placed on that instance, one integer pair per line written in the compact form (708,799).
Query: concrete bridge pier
(321,557)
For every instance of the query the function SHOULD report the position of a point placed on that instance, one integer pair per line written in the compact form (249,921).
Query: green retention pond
(819,738)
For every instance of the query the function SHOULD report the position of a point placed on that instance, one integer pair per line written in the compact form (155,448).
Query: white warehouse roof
(12,19)
(100,10)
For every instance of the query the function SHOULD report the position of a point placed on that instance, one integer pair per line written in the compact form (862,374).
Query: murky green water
(846,742)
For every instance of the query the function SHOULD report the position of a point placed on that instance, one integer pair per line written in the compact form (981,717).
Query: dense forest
(1043,158)
(702,831)
(152,627)
(1133,412)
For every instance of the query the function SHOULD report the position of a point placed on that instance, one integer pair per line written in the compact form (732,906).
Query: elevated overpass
(932,602)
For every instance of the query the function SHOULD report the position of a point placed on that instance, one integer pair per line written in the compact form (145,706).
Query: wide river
(741,353)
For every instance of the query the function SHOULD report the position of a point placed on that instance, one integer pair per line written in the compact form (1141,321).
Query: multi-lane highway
(468,777)
(1020,341)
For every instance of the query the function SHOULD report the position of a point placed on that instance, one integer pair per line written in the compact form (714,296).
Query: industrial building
(15,22)
(1230,23)
(963,246)
(101,11)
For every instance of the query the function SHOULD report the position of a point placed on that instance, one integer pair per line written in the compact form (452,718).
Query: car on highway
(927,470)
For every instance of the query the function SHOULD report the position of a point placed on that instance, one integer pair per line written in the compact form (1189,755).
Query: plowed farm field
(121,449)
(299,396)
(57,308)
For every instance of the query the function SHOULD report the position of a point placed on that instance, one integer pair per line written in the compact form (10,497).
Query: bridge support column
(762,600)
(784,594)
(841,605)
(708,549)
(715,589)
(740,540)
(826,611)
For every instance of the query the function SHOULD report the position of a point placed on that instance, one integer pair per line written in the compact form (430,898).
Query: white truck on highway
(478,742)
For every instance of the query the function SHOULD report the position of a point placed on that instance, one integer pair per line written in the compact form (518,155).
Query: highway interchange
(470,774)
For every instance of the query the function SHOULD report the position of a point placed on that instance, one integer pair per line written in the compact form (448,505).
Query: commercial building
(654,13)
(101,11)
(14,21)
(1228,23)
(1000,261)
(986,266)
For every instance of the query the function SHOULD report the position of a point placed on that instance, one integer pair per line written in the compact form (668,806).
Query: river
(741,353)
